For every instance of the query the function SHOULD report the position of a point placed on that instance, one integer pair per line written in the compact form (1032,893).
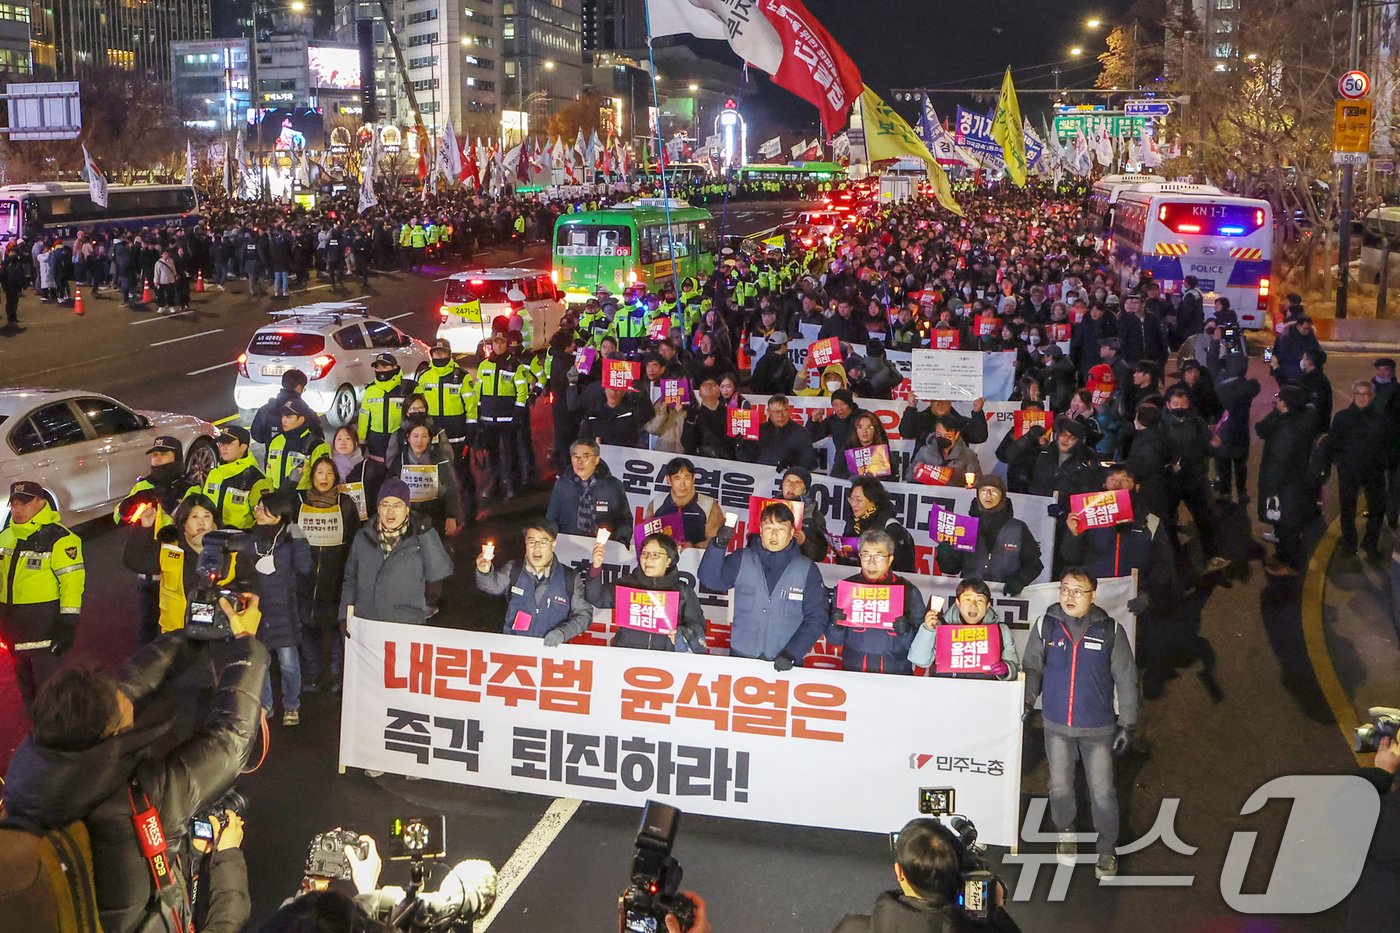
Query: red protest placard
(1027,418)
(1102,509)
(1100,392)
(985,325)
(655,612)
(758,503)
(1057,333)
(945,338)
(659,328)
(1076,315)
(869,605)
(966,649)
(931,475)
(744,423)
(620,374)
(824,353)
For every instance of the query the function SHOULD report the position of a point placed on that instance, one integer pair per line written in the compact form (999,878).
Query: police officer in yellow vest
(417,243)
(148,508)
(497,406)
(519,227)
(295,448)
(41,586)
(381,414)
(447,390)
(237,483)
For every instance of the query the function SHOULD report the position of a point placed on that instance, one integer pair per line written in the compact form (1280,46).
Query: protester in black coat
(1287,489)
(1235,393)
(1359,447)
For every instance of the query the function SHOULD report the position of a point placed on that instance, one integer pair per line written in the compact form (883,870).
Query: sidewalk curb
(1342,346)
(1315,637)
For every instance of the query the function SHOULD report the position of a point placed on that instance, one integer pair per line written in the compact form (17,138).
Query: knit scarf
(389,537)
(322,500)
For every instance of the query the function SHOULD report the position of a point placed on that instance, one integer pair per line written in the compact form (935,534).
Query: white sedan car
(88,449)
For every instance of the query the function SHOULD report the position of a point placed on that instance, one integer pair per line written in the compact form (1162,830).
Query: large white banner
(998,369)
(711,735)
(1019,612)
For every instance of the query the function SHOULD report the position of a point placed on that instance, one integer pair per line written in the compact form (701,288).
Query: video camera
(218,574)
(1368,736)
(656,876)
(978,896)
(203,821)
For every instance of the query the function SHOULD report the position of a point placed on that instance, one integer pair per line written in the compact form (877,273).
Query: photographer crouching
(931,864)
(1371,905)
(86,760)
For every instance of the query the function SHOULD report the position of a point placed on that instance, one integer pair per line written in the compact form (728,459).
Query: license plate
(275,369)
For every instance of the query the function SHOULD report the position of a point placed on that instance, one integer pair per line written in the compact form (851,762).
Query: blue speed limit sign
(1354,85)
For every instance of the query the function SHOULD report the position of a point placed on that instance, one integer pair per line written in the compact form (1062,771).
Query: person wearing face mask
(780,603)
(280,557)
(381,410)
(1189,444)
(446,389)
(839,426)
(149,506)
(946,448)
(877,650)
(546,598)
(833,379)
(971,605)
(871,508)
(329,520)
(391,561)
(1005,551)
(656,570)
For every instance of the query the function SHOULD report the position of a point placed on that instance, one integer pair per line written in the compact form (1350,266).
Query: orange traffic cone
(78,308)
(147,296)
(199,281)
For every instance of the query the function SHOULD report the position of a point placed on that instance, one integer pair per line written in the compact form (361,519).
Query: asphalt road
(1230,699)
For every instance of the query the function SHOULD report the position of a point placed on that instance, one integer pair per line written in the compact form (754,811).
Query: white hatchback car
(525,299)
(334,343)
(87,448)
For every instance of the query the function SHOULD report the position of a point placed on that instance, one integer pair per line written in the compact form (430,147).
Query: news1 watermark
(1319,859)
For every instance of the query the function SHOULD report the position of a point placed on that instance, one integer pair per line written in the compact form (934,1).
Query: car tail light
(554,276)
(1263,293)
(443,312)
(320,366)
(243,365)
(631,276)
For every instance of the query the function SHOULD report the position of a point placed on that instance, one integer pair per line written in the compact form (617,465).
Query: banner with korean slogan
(868,461)
(998,370)
(745,422)
(584,358)
(717,736)
(985,325)
(322,527)
(951,528)
(930,475)
(948,374)
(966,649)
(869,605)
(356,491)
(945,338)
(1026,418)
(843,547)
(824,353)
(620,374)
(671,524)
(656,612)
(422,481)
(659,328)
(675,391)
(1102,509)
(758,503)
(1018,612)
(730,482)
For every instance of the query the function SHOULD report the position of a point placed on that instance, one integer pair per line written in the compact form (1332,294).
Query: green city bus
(627,244)
(795,172)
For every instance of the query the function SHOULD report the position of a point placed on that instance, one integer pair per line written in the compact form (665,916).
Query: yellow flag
(888,136)
(1006,129)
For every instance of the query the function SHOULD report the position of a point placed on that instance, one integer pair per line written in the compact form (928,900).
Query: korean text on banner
(584,359)
(745,422)
(947,374)
(823,353)
(951,528)
(322,527)
(868,461)
(1026,418)
(758,503)
(655,612)
(929,475)
(672,525)
(620,374)
(422,481)
(966,649)
(716,736)
(1102,509)
(869,605)
(675,391)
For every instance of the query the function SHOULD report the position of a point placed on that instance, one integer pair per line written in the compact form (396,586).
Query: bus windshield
(580,240)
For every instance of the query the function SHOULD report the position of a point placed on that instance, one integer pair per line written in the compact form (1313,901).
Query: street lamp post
(1348,179)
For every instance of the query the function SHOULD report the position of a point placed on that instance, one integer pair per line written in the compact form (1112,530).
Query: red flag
(422,152)
(522,167)
(814,66)
(470,170)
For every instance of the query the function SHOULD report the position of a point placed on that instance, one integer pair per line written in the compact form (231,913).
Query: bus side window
(649,244)
(607,242)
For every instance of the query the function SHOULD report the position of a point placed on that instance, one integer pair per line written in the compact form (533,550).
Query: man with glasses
(1079,661)
(782,442)
(546,598)
(1360,446)
(587,497)
(873,648)
(780,605)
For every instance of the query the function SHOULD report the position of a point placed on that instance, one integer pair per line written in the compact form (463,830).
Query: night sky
(914,43)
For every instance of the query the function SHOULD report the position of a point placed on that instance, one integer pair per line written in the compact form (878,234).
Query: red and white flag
(786,41)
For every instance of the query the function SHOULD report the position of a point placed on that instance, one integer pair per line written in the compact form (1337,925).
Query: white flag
(796,151)
(189,164)
(1151,157)
(752,37)
(1083,157)
(1103,147)
(97,184)
(771,148)
(449,153)
(841,147)
(595,152)
(483,165)
(369,161)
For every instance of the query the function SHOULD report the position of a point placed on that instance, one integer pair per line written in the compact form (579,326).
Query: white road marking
(397,316)
(161,317)
(203,333)
(210,369)
(528,854)
(309,288)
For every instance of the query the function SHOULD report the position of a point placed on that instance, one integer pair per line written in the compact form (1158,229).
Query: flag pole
(724,210)
(665,188)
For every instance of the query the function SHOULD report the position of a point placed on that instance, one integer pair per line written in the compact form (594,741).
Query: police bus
(56,208)
(1225,241)
(632,244)
(793,172)
(1105,194)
